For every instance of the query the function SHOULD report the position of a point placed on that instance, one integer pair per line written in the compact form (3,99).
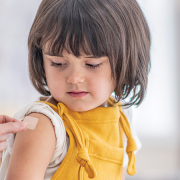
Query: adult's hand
(8,125)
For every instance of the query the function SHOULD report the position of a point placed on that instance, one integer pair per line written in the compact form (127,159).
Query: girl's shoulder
(36,107)
(39,109)
(50,126)
(44,111)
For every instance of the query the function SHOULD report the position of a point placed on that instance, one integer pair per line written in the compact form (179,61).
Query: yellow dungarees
(96,143)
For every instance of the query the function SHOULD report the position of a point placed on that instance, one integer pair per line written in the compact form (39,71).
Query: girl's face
(80,83)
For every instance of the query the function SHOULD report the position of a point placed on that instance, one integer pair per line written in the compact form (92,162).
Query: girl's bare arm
(32,151)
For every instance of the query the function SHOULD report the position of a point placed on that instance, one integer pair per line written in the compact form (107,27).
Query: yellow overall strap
(82,156)
(131,145)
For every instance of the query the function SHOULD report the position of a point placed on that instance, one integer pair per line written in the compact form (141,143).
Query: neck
(52,101)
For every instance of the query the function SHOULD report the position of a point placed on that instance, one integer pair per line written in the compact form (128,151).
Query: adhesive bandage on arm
(31,122)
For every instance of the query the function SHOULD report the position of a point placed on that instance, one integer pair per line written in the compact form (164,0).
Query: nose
(75,76)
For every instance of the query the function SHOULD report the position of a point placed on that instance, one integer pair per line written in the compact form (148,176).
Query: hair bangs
(73,31)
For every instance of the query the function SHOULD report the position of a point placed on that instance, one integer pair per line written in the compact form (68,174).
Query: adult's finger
(4,137)
(3,145)
(12,127)
(6,119)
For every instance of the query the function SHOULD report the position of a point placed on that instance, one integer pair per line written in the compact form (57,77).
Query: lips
(77,93)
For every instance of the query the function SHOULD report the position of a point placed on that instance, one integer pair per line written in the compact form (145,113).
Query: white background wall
(16,17)
(156,120)
(160,106)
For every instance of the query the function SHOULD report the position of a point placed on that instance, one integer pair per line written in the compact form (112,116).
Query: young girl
(80,52)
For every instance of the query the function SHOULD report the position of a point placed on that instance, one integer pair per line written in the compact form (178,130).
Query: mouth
(77,93)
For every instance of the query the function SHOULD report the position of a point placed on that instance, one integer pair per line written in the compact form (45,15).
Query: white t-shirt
(62,140)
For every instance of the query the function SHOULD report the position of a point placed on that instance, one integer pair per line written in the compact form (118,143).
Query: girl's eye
(93,66)
(58,64)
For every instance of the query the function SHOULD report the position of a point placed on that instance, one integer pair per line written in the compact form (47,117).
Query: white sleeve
(129,114)
(60,132)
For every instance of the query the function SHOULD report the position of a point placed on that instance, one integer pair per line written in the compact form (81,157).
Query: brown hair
(113,28)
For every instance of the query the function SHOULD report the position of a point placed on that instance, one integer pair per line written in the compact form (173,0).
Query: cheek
(53,80)
(103,77)
(102,85)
